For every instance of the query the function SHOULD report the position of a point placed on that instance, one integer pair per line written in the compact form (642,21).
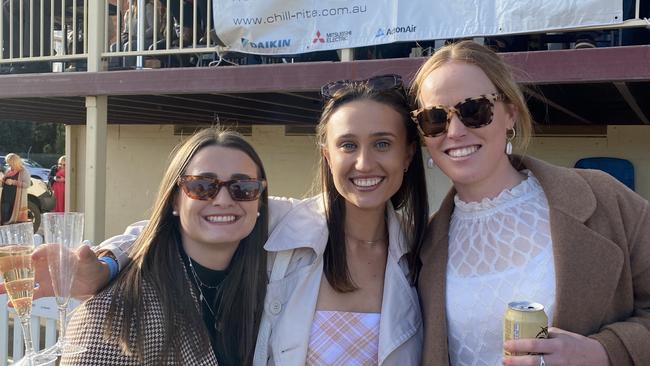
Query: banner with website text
(298,26)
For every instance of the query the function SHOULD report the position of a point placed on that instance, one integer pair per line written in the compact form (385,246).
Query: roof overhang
(588,86)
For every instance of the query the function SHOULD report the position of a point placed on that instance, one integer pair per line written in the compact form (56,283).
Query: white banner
(298,26)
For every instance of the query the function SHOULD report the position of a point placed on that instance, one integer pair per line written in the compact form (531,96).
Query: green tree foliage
(22,136)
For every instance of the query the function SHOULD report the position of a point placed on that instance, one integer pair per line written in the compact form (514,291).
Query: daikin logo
(276,43)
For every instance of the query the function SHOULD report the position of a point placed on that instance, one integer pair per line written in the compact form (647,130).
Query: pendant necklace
(200,284)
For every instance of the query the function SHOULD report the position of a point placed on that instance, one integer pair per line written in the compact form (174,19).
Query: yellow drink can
(524,319)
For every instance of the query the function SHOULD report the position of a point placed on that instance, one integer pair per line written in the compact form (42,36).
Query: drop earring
(258,214)
(430,163)
(509,138)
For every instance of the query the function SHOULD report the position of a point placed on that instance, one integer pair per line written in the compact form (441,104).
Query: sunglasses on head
(202,188)
(377,83)
(472,112)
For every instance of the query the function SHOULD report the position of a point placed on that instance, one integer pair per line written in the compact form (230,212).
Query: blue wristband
(113,267)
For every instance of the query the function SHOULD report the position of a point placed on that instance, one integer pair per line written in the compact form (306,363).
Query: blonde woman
(15,182)
(517,228)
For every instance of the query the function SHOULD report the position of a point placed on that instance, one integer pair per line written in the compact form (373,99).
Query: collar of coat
(305,226)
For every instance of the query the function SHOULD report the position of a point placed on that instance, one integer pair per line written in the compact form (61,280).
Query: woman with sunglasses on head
(515,228)
(342,264)
(193,291)
(348,296)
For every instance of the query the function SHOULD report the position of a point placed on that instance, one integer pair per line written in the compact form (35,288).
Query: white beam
(95,184)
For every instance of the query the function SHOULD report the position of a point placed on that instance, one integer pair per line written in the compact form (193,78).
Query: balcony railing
(55,33)
(57,30)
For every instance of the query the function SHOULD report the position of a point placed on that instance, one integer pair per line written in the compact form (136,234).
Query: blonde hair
(14,160)
(61,159)
(494,68)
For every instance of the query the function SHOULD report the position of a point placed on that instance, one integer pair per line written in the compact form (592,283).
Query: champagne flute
(63,232)
(16,247)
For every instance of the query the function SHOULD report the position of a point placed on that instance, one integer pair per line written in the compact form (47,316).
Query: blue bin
(621,169)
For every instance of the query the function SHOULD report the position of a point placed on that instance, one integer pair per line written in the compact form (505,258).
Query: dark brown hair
(156,261)
(410,199)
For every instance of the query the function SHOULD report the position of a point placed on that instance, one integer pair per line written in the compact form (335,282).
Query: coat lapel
(587,264)
(432,285)
(402,318)
(581,278)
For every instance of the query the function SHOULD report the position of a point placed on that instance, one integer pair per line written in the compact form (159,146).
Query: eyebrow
(234,176)
(374,134)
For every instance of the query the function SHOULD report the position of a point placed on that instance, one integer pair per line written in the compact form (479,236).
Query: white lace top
(500,251)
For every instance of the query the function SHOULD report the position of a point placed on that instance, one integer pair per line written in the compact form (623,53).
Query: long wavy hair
(410,199)
(156,262)
(14,161)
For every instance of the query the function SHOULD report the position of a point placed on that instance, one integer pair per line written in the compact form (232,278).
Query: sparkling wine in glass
(63,233)
(16,247)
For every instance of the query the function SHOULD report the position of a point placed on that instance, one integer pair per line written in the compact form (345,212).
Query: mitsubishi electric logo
(276,43)
(318,38)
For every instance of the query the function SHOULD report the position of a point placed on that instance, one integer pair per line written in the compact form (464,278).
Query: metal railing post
(140,38)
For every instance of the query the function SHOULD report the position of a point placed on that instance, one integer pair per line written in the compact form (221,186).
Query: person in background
(13,202)
(516,228)
(194,289)
(58,185)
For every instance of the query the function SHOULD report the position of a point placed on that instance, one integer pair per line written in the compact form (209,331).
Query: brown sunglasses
(204,188)
(378,83)
(472,112)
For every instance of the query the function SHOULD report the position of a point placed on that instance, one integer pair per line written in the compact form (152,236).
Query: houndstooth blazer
(86,328)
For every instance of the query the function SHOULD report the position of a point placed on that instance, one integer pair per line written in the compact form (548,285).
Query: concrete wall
(137,156)
(625,142)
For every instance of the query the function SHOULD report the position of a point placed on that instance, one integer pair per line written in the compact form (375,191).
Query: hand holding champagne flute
(63,235)
(16,247)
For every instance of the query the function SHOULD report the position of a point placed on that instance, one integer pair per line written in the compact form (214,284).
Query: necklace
(200,284)
(369,242)
(198,279)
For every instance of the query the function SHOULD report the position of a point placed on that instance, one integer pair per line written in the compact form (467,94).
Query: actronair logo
(384,32)
(276,43)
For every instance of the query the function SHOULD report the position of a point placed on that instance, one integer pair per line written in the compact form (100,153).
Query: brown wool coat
(601,244)
(87,329)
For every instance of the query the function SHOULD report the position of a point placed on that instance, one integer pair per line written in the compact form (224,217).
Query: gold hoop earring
(509,138)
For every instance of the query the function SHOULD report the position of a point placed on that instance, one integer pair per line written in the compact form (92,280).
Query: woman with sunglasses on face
(193,291)
(347,297)
(516,228)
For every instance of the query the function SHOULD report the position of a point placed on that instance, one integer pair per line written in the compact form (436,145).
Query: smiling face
(218,223)
(367,152)
(474,159)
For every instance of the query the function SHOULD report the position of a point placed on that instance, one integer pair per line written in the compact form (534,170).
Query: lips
(366,182)
(221,219)
(462,152)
